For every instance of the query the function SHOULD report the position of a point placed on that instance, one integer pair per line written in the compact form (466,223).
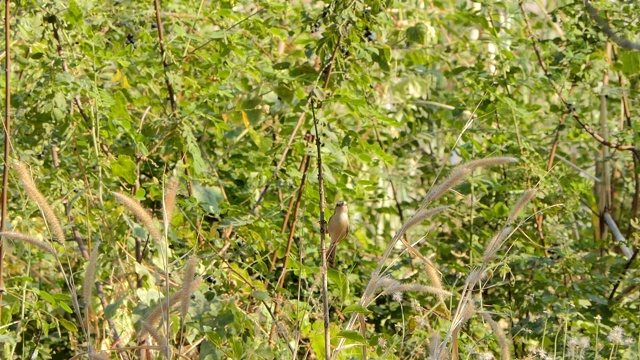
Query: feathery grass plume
(401,288)
(463,314)
(495,244)
(474,276)
(136,208)
(434,344)
(499,160)
(172,301)
(387,282)
(502,338)
(422,215)
(28,239)
(97,356)
(526,197)
(171,191)
(89,275)
(434,275)
(38,198)
(159,339)
(455,178)
(187,285)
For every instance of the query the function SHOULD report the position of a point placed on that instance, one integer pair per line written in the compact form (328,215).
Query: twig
(607,30)
(624,271)
(7,137)
(306,161)
(329,66)
(323,267)
(165,62)
(65,67)
(566,103)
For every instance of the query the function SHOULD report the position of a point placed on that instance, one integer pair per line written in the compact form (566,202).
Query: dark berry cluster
(370,36)
(131,40)
(316,27)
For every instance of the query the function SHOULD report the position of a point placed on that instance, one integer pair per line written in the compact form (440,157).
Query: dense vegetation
(165,197)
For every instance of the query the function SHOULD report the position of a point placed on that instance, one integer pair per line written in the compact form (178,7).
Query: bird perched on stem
(338,229)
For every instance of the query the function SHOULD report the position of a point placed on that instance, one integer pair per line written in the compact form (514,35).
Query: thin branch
(285,262)
(323,267)
(7,138)
(624,271)
(65,67)
(327,67)
(165,62)
(617,234)
(564,100)
(607,30)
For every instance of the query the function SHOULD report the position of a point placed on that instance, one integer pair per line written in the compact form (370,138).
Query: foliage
(402,92)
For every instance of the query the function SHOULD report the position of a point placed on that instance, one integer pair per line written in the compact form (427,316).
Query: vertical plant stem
(165,62)
(7,139)
(329,68)
(292,227)
(323,268)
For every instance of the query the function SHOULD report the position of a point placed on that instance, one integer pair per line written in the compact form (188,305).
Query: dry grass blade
(38,198)
(145,218)
(401,288)
(28,239)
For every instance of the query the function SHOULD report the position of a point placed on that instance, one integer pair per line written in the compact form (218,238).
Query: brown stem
(329,68)
(622,42)
(292,229)
(65,67)
(323,268)
(7,138)
(636,195)
(165,62)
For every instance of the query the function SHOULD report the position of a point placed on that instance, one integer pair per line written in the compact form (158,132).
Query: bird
(338,229)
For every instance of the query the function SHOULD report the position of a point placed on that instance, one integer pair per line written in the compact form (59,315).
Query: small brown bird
(338,229)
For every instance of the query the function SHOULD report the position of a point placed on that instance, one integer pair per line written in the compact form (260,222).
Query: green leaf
(352,335)
(261,295)
(68,325)
(125,168)
(74,14)
(119,114)
(48,298)
(630,63)
(209,197)
(65,307)
(193,149)
(356,308)
(111,309)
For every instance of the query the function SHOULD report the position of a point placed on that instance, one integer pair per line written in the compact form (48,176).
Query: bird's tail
(331,254)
